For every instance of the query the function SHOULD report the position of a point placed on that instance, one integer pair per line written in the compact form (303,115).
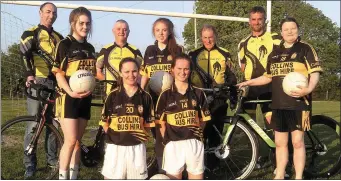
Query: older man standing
(37,48)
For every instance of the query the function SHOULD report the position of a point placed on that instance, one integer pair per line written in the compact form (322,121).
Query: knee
(281,143)
(70,142)
(298,144)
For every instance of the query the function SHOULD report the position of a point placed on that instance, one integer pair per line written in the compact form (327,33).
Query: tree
(316,29)
(12,69)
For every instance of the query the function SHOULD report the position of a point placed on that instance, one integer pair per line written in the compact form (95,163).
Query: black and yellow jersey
(302,58)
(37,46)
(127,116)
(110,57)
(211,67)
(254,51)
(182,113)
(157,60)
(72,55)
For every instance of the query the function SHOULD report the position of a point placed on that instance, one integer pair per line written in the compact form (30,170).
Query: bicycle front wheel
(323,148)
(12,150)
(239,157)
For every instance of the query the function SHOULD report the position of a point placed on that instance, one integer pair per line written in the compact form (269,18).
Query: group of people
(179,117)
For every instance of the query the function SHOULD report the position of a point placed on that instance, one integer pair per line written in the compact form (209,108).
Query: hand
(105,127)
(79,95)
(242,84)
(100,76)
(302,91)
(29,79)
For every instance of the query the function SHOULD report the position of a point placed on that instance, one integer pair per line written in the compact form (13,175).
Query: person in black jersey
(291,113)
(181,112)
(73,108)
(158,57)
(128,111)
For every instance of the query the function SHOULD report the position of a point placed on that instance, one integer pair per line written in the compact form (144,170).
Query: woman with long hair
(73,108)
(158,57)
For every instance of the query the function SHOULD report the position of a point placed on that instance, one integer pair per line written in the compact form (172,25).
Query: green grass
(13,108)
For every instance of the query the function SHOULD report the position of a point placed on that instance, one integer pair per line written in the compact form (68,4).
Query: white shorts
(125,162)
(178,153)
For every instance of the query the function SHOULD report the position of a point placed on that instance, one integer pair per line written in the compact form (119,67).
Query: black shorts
(73,108)
(290,120)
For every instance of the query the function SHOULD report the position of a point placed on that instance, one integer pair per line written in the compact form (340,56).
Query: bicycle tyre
(226,171)
(325,130)
(16,125)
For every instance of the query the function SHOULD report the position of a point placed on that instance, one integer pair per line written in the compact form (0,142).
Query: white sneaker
(285,175)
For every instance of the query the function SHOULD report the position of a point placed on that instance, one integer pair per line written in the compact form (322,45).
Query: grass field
(11,109)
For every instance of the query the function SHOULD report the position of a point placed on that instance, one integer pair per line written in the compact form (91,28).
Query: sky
(22,17)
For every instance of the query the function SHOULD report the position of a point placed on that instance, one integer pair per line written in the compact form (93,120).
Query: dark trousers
(211,137)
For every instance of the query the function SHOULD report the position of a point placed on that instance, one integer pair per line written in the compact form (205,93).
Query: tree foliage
(12,69)
(315,28)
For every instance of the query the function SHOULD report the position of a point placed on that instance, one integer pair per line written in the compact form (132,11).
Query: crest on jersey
(294,55)
(194,103)
(283,58)
(169,58)
(140,109)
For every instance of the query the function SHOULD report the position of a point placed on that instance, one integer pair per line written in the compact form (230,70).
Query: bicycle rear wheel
(239,158)
(323,148)
(12,150)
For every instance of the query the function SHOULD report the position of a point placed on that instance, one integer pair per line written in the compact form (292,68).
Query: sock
(63,175)
(74,170)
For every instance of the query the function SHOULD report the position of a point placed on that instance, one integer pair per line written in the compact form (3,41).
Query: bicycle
(12,134)
(239,148)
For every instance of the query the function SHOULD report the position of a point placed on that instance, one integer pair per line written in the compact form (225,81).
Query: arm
(26,46)
(143,71)
(144,81)
(106,112)
(313,80)
(314,69)
(159,114)
(230,77)
(204,114)
(100,65)
(241,56)
(262,80)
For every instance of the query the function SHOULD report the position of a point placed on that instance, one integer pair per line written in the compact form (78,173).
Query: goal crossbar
(132,11)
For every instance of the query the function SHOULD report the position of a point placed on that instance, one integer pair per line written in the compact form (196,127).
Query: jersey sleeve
(241,53)
(230,77)
(138,57)
(276,38)
(312,61)
(100,59)
(107,110)
(160,108)
(143,69)
(148,115)
(204,113)
(60,59)
(26,46)
(267,73)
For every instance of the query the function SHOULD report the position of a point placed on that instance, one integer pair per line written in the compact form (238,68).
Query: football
(292,80)
(82,81)
(159,177)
